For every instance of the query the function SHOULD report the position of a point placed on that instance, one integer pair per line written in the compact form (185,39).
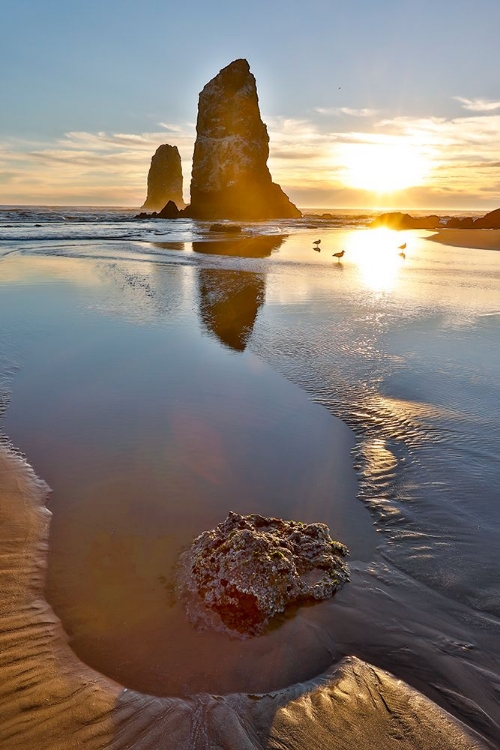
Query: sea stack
(164,179)
(230,178)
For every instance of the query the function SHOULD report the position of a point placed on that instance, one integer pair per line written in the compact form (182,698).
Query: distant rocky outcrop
(230,177)
(164,179)
(489,221)
(399,220)
(236,577)
(456,222)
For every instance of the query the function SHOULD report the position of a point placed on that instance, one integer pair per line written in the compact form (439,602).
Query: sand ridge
(479,239)
(50,700)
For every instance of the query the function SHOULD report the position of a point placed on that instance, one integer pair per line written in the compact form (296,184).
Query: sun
(383,167)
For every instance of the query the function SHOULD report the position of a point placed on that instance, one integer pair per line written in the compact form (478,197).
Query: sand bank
(480,239)
(50,700)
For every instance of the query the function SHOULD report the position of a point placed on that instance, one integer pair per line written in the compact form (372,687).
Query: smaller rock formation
(164,179)
(467,222)
(170,211)
(236,577)
(230,177)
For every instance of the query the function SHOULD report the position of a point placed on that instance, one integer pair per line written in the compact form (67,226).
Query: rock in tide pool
(230,177)
(236,577)
(164,179)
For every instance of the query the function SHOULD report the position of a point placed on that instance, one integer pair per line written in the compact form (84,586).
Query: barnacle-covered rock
(236,577)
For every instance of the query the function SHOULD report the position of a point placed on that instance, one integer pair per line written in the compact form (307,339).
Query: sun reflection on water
(378,255)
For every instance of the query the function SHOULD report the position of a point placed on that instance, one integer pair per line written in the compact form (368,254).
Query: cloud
(307,157)
(461,156)
(478,105)
(178,129)
(346,111)
(83,167)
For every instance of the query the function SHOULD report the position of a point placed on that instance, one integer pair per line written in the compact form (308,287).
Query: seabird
(316,242)
(402,247)
(338,255)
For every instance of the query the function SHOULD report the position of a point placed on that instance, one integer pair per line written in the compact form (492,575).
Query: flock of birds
(341,254)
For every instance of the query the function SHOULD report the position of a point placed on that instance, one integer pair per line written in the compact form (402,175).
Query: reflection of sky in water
(156,432)
(405,350)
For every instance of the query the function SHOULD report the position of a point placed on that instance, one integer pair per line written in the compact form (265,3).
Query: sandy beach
(481,239)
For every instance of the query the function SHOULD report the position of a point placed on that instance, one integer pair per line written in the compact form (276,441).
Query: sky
(387,104)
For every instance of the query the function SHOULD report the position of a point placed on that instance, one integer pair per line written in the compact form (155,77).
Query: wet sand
(481,239)
(52,701)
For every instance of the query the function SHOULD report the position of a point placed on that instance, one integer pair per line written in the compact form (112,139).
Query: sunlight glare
(376,253)
(384,167)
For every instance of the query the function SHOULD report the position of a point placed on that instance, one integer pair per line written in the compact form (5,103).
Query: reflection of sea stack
(164,179)
(229,303)
(230,300)
(230,177)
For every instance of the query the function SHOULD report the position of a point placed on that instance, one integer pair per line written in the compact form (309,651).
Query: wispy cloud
(346,111)
(307,157)
(178,129)
(461,154)
(86,167)
(478,105)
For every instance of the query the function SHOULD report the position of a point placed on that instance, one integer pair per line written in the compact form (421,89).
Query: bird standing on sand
(316,242)
(338,255)
(402,247)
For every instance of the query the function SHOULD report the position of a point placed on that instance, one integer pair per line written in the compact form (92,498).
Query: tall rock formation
(164,179)
(230,178)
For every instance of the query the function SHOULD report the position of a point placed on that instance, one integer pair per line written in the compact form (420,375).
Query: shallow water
(148,434)
(404,350)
